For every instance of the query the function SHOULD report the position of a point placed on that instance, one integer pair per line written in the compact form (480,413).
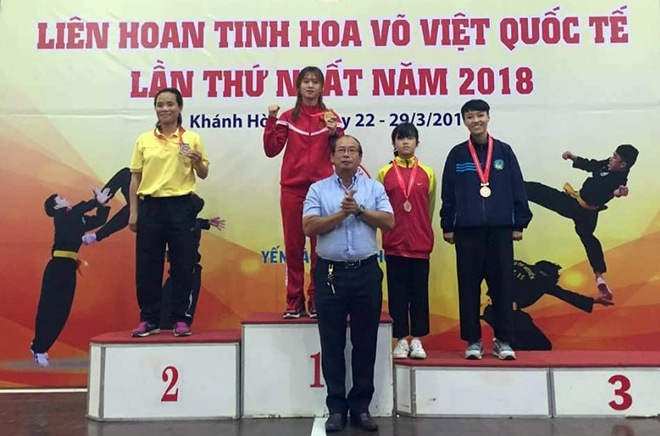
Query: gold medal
(485,191)
(407,206)
(329,117)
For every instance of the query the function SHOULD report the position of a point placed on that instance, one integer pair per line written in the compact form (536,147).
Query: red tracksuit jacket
(412,235)
(307,155)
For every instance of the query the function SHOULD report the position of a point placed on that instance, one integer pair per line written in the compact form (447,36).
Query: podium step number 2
(197,381)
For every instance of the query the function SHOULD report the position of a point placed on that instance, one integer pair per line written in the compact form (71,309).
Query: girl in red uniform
(411,189)
(306,131)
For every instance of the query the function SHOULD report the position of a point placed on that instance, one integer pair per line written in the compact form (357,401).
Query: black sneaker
(311,308)
(294,310)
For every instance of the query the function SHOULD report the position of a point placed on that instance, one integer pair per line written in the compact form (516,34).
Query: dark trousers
(485,253)
(58,287)
(120,181)
(166,303)
(568,207)
(358,293)
(408,293)
(162,222)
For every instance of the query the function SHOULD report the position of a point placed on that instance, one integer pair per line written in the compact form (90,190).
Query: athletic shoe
(401,349)
(40,359)
(181,329)
(502,350)
(603,289)
(145,329)
(311,308)
(294,309)
(417,350)
(474,350)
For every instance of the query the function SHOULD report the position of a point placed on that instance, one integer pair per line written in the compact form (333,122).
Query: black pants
(408,293)
(162,222)
(485,253)
(358,293)
(166,302)
(568,207)
(120,181)
(58,287)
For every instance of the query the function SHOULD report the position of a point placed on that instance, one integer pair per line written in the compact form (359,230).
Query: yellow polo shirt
(165,171)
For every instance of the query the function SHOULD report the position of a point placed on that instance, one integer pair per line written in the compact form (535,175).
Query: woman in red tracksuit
(411,188)
(306,131)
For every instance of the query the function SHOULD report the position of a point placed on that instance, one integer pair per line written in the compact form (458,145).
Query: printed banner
(77,88)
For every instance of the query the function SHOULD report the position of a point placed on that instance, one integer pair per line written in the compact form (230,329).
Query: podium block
(282,374)
(545,383)
(608,384)
(446,385)
(163,377)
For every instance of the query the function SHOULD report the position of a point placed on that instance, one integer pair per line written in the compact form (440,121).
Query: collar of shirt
(405,163)
(178,132)
(341,183)
(478,145)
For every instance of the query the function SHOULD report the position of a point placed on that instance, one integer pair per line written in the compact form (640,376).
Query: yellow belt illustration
(576,194)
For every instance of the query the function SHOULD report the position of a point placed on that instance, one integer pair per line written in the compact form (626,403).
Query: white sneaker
(40,359)
(417,350)
(401,349)
(502,350)
(474,350)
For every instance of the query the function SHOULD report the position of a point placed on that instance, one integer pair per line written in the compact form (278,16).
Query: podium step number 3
(607,392)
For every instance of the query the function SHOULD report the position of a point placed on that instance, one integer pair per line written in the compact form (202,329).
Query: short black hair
(628,154)
(405,130)
(49,205)
(333,144)
(475,105)
(548,269)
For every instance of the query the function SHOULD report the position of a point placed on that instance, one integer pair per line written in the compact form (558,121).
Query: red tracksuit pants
(291,204)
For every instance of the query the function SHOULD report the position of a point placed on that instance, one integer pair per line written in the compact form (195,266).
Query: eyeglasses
(350,151)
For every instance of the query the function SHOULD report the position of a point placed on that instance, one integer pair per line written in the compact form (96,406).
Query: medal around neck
(407,207)
(184,149)
(484,174)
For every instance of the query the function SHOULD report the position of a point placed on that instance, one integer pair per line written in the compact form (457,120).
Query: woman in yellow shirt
(165,164)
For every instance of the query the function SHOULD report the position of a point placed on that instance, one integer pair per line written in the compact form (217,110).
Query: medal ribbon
(322,114)
(483,175)
(402,184)
(159,135)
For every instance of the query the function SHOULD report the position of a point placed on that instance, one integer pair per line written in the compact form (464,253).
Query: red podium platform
(276,318)
(164,377)
(166,337)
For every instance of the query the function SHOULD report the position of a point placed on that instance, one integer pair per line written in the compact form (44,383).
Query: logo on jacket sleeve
(498,164)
